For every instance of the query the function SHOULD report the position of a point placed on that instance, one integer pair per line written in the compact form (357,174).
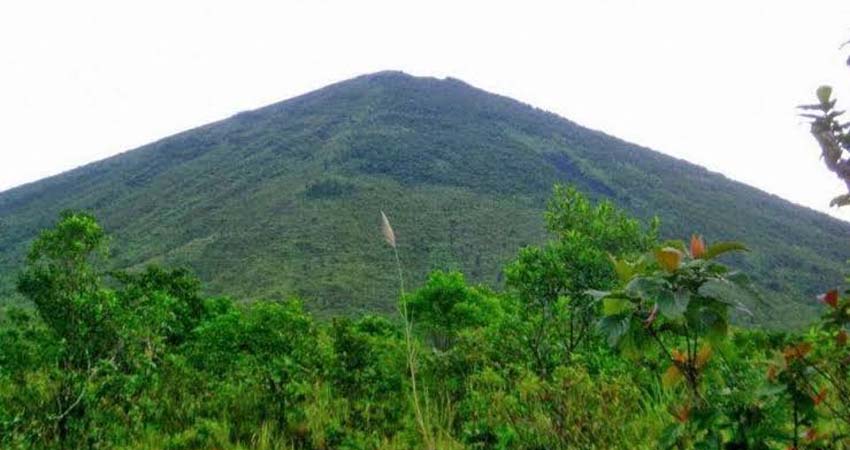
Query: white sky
(714,82)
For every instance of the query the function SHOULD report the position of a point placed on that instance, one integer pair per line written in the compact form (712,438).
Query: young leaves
(669,258)
(697,246)
(719,248)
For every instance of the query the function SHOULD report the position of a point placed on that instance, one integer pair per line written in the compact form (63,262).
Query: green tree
(552,280)
(63,282)
(445,305)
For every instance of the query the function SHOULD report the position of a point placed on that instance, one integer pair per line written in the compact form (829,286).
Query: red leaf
(697,246)
(811,434)
(771,373)
(841,339)
(795,352)
(830,298)
(817,399)
(678,356)
(683,413)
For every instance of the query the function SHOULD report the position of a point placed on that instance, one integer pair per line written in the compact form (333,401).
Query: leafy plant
(677,300)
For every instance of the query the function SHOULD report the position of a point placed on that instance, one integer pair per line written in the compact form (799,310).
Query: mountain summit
(284,200)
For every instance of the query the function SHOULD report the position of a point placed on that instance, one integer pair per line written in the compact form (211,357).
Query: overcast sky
(715,82)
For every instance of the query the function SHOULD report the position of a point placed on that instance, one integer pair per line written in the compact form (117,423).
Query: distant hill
(284,200)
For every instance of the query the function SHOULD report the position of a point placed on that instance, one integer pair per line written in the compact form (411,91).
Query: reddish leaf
(697,246)
(795,352)
(830,298)
(811,434)
(702,356)
(771,373)
(683,413)
(678,356)
(672,376)
(819,397)
(841,339)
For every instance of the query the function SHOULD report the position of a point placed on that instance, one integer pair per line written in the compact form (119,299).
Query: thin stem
(657,338)
(411,356)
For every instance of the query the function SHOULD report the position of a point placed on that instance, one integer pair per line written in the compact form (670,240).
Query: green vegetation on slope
(280,201)
(141,359)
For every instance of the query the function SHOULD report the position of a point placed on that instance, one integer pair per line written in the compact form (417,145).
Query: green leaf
(739,278)
(624,270)
(615,327)
(597,295)
(613,306)
(719,248)
(646,288)
(672,305)
(824,93)
(726,292)
(668,305)
(768,391)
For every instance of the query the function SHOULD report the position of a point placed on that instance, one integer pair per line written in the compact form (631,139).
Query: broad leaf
(728,293)
(824,93)
(597,295)
(621,267)
(646,288)
(719,248)
(615,327)
(673,304)
(613,306)
(669,258)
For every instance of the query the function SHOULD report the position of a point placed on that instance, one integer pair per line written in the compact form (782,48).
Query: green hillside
(284,200)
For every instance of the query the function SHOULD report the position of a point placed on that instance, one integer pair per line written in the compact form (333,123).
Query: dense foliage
(279,202)
(604,337)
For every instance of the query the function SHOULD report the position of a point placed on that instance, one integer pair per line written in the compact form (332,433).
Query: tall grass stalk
(389,236)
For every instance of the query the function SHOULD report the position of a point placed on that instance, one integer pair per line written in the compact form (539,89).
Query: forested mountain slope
(284,200)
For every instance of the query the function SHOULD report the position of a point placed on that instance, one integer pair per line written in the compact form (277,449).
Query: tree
(446,305)
(552,280)
(63,282)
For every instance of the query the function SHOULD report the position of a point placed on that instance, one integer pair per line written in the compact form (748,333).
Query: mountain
(284,200)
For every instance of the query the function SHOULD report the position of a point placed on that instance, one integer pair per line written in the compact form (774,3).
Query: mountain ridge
(276,177)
